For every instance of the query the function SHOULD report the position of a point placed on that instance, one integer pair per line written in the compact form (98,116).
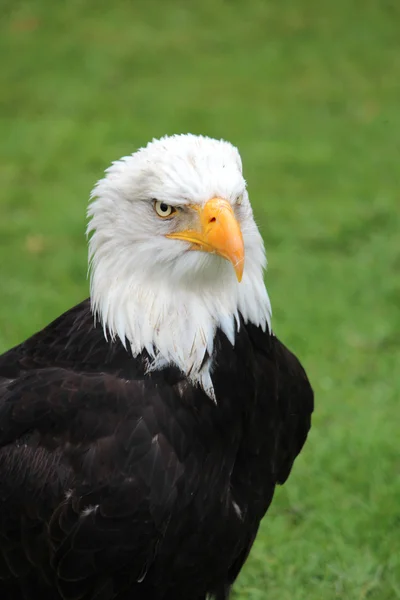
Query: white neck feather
(176,323)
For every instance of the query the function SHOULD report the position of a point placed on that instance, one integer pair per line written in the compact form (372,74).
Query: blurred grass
(310,92)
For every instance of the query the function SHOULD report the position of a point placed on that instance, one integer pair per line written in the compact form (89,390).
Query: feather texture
(118,484)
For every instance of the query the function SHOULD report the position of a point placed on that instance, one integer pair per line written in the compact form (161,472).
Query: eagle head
(175,252)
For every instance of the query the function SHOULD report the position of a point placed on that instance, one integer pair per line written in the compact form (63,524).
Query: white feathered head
(175,252)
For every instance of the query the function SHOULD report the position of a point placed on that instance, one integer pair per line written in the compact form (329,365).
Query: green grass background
(310,92)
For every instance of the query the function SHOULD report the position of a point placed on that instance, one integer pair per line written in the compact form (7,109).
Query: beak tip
(239,268)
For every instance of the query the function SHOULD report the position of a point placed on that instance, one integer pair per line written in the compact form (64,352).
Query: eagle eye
(239,199)
(163,210)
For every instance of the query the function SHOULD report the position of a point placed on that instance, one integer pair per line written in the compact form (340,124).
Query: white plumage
(155,292)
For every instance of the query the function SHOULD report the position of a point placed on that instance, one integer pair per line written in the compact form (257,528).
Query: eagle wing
(277,430)
(295,404)
(287,399)
(89,473)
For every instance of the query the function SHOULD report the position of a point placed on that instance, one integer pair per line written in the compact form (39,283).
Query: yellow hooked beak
(219,233)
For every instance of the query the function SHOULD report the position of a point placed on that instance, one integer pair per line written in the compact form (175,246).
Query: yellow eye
(164,210)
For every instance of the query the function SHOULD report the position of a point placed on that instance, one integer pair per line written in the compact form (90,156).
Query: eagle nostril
(212,220)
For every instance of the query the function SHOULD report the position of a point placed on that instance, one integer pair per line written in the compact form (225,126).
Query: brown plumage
(117,484)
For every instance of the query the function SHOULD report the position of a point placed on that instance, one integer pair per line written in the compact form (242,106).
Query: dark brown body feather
(119,485)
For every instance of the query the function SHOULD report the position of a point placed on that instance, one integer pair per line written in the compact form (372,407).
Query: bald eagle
(143,432)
